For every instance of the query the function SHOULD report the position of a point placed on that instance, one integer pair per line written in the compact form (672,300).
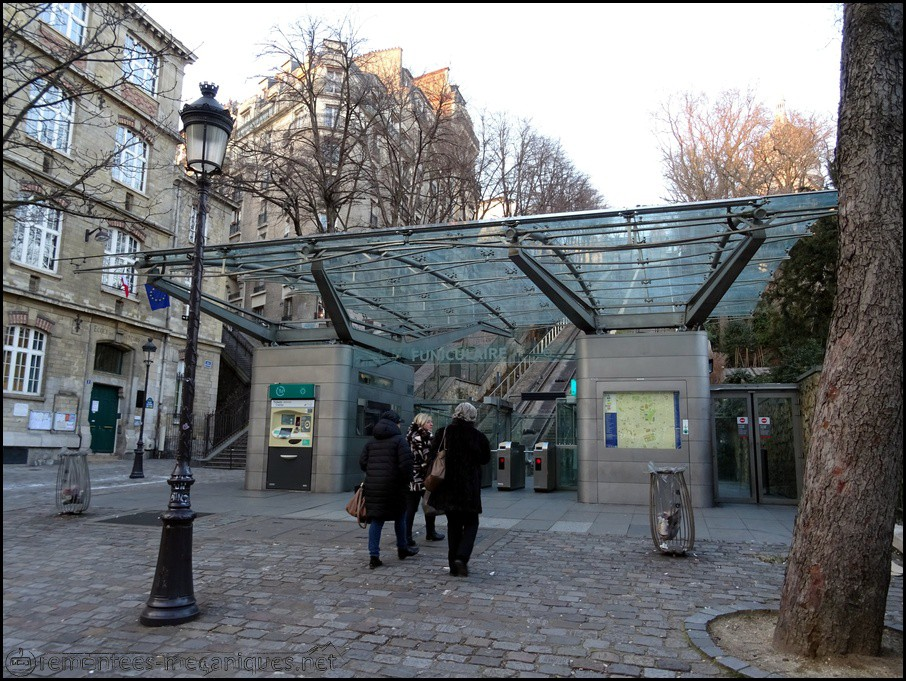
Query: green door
(102,416)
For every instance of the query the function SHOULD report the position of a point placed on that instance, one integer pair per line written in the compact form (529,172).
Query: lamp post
(207,127)
(138,464)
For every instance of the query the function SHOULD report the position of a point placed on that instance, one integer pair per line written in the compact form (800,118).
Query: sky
(591,75)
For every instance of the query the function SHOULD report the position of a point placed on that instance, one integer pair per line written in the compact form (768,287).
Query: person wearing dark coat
(387,462)
(459,495)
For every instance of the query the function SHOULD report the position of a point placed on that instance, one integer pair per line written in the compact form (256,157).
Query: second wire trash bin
(672,520)
(73,483)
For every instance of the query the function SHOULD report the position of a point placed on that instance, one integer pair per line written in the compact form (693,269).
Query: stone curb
(697,631)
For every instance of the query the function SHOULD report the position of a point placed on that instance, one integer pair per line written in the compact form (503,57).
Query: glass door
(757,444)
(732,442)
(777,443)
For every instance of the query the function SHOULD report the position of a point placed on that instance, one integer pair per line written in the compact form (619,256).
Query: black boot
(406,552)
(430,533)
(374,562)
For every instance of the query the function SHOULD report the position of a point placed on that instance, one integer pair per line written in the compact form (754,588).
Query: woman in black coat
(467,450)
(387,462)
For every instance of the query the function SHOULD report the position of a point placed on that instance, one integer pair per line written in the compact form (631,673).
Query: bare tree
(793,155)
(522,172)
(57,70)
(422,148)
(309,164)
(834,596)
(734,147)
(346,138)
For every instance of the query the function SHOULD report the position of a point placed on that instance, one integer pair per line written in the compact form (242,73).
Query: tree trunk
(835,592)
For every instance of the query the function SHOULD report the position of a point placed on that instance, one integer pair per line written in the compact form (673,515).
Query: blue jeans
(374,534)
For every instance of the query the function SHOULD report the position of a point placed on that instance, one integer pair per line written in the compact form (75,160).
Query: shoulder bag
(356,506)
(438,468)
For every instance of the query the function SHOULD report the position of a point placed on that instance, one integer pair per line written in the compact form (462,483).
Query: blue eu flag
(157,299)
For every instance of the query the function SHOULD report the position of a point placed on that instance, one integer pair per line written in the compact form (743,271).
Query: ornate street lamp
(138,464)
(207,127)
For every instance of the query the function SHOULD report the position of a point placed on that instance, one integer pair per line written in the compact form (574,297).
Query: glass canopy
(643,268)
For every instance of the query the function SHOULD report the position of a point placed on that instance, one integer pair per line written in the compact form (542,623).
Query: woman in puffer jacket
(387,462)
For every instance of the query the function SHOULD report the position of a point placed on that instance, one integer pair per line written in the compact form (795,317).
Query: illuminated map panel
(642,420)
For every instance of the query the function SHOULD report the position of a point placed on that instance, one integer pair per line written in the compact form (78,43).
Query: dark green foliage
(795,360)
(797,305)
(788,331)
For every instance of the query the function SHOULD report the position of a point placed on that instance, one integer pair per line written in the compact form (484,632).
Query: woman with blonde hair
(419,438)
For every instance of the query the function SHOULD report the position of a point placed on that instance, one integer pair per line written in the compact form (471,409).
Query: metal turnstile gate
(545,464)
(510,466)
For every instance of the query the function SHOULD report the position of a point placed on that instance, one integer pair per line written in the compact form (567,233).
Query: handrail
(510,379)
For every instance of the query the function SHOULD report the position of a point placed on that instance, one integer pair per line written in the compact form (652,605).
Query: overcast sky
(590,75)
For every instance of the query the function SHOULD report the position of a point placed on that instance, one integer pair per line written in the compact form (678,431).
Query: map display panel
(642,420)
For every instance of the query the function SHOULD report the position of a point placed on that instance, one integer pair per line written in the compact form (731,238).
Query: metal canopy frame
(655,267)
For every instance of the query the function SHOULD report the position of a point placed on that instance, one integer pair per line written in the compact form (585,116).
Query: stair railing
(508,381)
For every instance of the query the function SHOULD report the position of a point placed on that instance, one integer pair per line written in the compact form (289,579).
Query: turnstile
(510,466)
(487,474)
(545,465)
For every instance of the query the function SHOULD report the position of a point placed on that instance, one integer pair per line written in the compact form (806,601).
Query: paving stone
(269,583)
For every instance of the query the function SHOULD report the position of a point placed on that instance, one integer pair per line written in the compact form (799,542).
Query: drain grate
(145,518)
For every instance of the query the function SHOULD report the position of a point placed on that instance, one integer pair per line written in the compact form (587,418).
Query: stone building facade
(315,112)
(90,179)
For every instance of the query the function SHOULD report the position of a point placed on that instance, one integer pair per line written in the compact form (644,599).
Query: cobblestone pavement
(285,597)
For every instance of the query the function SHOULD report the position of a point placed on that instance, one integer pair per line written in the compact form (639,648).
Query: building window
(330,149)
(131,159)
(36,236)
(287,308)
(140,65)
(119,258)
(23,360)
(108,358)
(333,82)
(331,116)
(69,18)
(50,119)
(193,221)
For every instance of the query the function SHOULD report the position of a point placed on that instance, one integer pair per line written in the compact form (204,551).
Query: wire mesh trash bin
(73,483)
(672,520)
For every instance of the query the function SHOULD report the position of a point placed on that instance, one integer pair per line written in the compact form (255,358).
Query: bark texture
(834,595)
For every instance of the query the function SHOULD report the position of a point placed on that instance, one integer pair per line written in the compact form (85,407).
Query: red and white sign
(764,420)
(742,420)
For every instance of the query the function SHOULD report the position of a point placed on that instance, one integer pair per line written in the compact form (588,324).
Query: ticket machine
(291,436)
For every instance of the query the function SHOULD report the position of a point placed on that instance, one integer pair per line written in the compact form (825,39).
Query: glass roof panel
(647,265)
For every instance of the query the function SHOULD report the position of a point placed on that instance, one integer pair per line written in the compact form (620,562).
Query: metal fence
(208,430)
